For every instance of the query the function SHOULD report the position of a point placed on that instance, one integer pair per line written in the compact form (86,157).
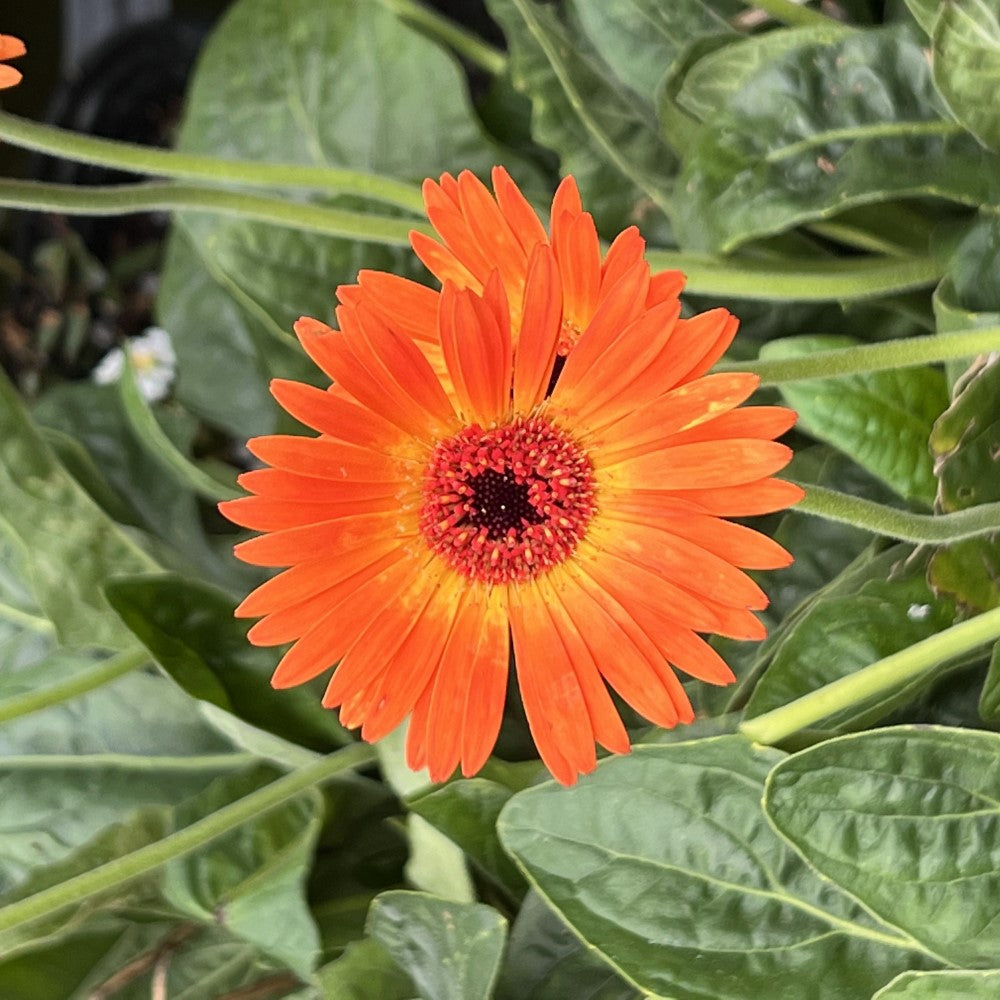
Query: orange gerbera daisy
(10,48)
(429,531)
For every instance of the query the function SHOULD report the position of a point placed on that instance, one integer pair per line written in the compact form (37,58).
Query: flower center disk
(507,503)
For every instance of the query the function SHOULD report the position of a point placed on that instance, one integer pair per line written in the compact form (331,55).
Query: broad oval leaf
(906,820)
(948,984)
(821,129)
(666,868)
(966,45)
(451,950)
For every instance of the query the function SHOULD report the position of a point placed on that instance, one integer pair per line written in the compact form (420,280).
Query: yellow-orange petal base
(10,48)
(573,514)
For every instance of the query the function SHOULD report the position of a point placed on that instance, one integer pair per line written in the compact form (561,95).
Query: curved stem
(907,352)
(467,44)
(940,529)
(169,163)
(122,199)
(75,890)
(790,12)
(881,676)
(798,281)
(88,680)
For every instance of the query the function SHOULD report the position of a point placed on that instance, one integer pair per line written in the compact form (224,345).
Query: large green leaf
(466,812)
(190,629)
(546,961)
(664,865)
(366,971)
(842,633)
(880,419)
(905,820)
(70,546)
(639,39)
(332,82)
(451,950)
(966,46)
(949,984)
(607,139)
(823,128)
(966,445)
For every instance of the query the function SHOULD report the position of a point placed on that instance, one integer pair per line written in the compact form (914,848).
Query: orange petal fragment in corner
(10,48)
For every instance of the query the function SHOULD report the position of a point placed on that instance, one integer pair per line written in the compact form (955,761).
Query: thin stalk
(123,199)
(88,680)
(845,279)
(884,675)
(789,12)
(466,43)
(170,163)
(140,862)
(935,529)
(906,352)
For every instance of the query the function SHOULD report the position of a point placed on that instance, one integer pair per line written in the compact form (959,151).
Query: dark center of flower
(507,503)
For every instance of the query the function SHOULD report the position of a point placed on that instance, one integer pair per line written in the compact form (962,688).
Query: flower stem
(940,529)
(903,353)
(845,279)
(88,680)
(169,163)
(123,199)
(881,676)
(140,862)
(789,12)
(467,44)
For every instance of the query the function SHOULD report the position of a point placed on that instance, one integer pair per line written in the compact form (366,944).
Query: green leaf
(639,39)
(880,419)
(965,443)
(925,12)
(451,950)
(339,84)
(904,820)
(607,139)
(948,984)
(821,129)
(546,961)
(161,448)
(884,615)
(70,545)
(366,971)
(252,879)
(966,61)
(664,866)
(190,629)
(989,701)
(718,75)
(466,812)
(974,265)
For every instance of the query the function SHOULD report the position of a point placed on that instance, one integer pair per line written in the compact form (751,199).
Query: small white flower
(918,612)
(153,360)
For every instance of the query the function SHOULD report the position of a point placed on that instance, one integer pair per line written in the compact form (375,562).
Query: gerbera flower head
(465,497)
(10,48)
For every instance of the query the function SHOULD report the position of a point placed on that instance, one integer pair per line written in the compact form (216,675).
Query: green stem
(845,279)
(884,675)
(140,862)
(790,13)
(467,44)
(124,199)
(169,163)
(55,694)
(907,352)
(940,529)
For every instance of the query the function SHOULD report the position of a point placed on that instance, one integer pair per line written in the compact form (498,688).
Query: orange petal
(277,484)
(334,415)
(452,226)
(540,325)
(578,252)
(266,514)
(295,545)
(565,203)
(10,77)
(442,263)
(696,344)
(763,496)
(334,632)
(701,465)
(11,47)
(665,285)
(553,702)
(327,458)
(520,216)
(762,422)
(406,305)
(626,250)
